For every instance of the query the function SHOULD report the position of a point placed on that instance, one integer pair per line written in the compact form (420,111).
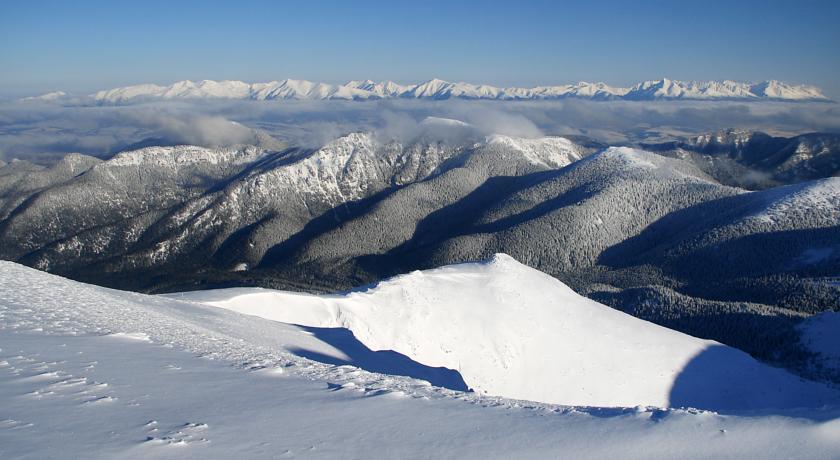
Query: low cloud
(41,132)
(184,128)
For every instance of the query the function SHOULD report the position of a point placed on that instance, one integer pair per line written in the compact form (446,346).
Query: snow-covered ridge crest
(549,152)
(180,155)
(817,200)
(725,90)
(437,89)
(512,331)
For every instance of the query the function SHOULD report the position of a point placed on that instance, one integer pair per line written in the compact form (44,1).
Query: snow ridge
(512,331)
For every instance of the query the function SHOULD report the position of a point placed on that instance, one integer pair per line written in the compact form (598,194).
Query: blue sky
(88,45)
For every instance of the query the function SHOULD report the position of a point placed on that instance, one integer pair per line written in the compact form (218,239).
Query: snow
(181,155)
(548,152)
(820,335)
(440,89)
(477,320)
(46,97)
(340,171)
(727,89)
(815,198)
(97,373)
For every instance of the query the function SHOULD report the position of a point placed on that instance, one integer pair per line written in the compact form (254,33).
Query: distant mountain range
(435,89)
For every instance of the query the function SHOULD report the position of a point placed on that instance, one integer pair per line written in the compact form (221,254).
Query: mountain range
(653,230)
(435,89)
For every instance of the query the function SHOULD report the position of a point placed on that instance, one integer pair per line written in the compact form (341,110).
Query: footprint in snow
(182,435)
(98,401)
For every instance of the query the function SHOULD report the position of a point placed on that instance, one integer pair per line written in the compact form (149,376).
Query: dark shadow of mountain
(811,252)
(459,219)
(327,221)
(678,243)
(382,362)
(726,380)
(571,197)
(806,252)
(676,227)
(232,248)
(339,215)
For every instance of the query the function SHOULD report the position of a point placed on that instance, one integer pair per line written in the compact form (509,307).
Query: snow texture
(97,373)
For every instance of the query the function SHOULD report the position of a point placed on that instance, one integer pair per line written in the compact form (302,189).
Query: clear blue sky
(87,45)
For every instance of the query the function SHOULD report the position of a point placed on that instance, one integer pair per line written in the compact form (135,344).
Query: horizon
(94,45)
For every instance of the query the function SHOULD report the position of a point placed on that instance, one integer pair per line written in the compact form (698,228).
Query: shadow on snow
(382,362)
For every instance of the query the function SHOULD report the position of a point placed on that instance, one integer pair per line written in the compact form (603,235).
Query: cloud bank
(42,132)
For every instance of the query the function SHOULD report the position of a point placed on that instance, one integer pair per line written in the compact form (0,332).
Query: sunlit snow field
(92,372)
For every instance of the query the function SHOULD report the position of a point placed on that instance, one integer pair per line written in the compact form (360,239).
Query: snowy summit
(435,89)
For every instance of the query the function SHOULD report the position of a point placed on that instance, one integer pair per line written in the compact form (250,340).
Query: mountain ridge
(437,89)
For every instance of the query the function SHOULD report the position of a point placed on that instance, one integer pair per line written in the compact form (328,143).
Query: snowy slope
(97,373)
(818,200)
(439,89)
(512,331)
(820,336)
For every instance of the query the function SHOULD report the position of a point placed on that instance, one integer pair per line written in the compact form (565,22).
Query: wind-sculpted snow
(508,330)
(512,331)
(91,371)
(36,301)
(439,89)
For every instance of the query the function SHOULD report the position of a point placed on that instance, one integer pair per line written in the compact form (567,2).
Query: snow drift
(513,331)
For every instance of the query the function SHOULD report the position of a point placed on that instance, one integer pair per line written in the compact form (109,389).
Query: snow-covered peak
(181,155)
(513,331)
(779,90)
(343,170)
(726,90)
(548,152)
(441,89)
(432,89)
(627,156)
(735,137)
(127,93)
(47,97)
